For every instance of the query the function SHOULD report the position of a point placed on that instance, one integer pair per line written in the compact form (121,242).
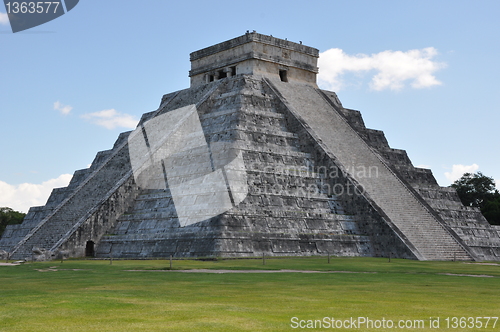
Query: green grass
(96,296)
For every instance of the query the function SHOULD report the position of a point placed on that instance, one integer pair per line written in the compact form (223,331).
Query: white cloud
(423,166)
(393,68)
(64,109)
(23,196)
(111,119)
(4,19)
(458,170)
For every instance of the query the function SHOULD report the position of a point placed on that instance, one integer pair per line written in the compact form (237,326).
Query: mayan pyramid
(253,159)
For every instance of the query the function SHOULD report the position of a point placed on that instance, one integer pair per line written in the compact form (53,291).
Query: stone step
(255,131)
(237,110)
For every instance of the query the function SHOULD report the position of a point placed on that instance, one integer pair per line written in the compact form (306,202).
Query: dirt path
(245,271)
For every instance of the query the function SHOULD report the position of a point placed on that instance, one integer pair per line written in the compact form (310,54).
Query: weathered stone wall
(281,215)
(13,234)
(497,229)
(255,54)
(87,233)
(468,223)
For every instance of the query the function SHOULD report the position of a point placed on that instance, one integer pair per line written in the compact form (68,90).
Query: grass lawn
(88,295)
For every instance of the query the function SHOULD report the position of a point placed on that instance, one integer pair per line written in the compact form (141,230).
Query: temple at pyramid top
(255,54)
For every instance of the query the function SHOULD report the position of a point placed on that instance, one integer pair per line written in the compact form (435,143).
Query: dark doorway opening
(283,76)
(89,249)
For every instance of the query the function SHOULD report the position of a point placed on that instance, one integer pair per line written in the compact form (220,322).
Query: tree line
(478,190)
(9,217)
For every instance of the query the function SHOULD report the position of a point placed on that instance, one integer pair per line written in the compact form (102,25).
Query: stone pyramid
(253,159)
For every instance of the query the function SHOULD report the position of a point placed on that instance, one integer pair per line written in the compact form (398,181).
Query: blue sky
(424,72)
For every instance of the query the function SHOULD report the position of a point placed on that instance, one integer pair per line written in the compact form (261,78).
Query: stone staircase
(92,191)
(418,225)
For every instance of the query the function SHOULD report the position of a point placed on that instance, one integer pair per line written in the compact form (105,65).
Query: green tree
(9,217)
(475,189)
(491,211)
(479,190)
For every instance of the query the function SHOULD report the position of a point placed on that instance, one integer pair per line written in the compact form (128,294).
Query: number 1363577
(40,7)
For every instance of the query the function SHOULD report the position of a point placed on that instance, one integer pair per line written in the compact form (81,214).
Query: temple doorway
(89,249)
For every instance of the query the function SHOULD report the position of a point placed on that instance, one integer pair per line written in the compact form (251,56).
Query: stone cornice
(254,37)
